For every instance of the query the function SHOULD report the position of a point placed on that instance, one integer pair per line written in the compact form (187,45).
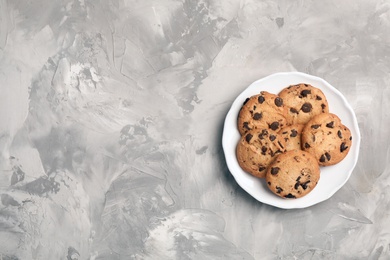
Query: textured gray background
(111,117)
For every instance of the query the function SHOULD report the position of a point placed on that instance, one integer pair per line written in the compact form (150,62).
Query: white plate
(332,177)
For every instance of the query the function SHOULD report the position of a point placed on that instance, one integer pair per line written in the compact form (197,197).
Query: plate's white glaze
(332,177)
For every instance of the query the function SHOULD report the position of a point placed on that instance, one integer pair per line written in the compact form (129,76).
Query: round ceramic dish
(332,177)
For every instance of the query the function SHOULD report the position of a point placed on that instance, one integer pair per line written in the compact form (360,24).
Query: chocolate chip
(343,147)
(275,170)
(293,110)
(246,100)
(294,133)
(272,137)
(278,102)
(274,126)
(285,132)
(327,156)
(246,125)
(304,185)
(305,92)
(257,116)
(269,183)
(318,98)
(277,151)
(261,99)
(322,158)
(248,137)
(307,145)
(261,168)
(263,133)
(278,189)
(323,106)
(296,186)
(263,150)
(306,108)
(330,124)
(290,196)
(286,139)
(315,126)
(299,177)
(254,107)
(280,144)
(350,138)
(339,134)
(313,138)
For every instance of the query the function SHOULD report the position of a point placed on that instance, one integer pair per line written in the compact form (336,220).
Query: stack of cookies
(286,138)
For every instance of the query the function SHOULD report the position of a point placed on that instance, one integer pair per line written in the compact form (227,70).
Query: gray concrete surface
(111,116)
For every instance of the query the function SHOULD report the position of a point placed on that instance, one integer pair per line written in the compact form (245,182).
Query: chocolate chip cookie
(293,174)
(325,137)
(292,135)
(262,111)
(303,102)
(257,149)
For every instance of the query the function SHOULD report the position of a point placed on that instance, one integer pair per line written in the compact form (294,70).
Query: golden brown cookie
(325,137)
(262,111)
(303,102)
(293,174)
(257,149)
(292,135)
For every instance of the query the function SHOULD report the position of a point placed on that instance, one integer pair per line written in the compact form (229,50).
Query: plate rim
(345,103)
